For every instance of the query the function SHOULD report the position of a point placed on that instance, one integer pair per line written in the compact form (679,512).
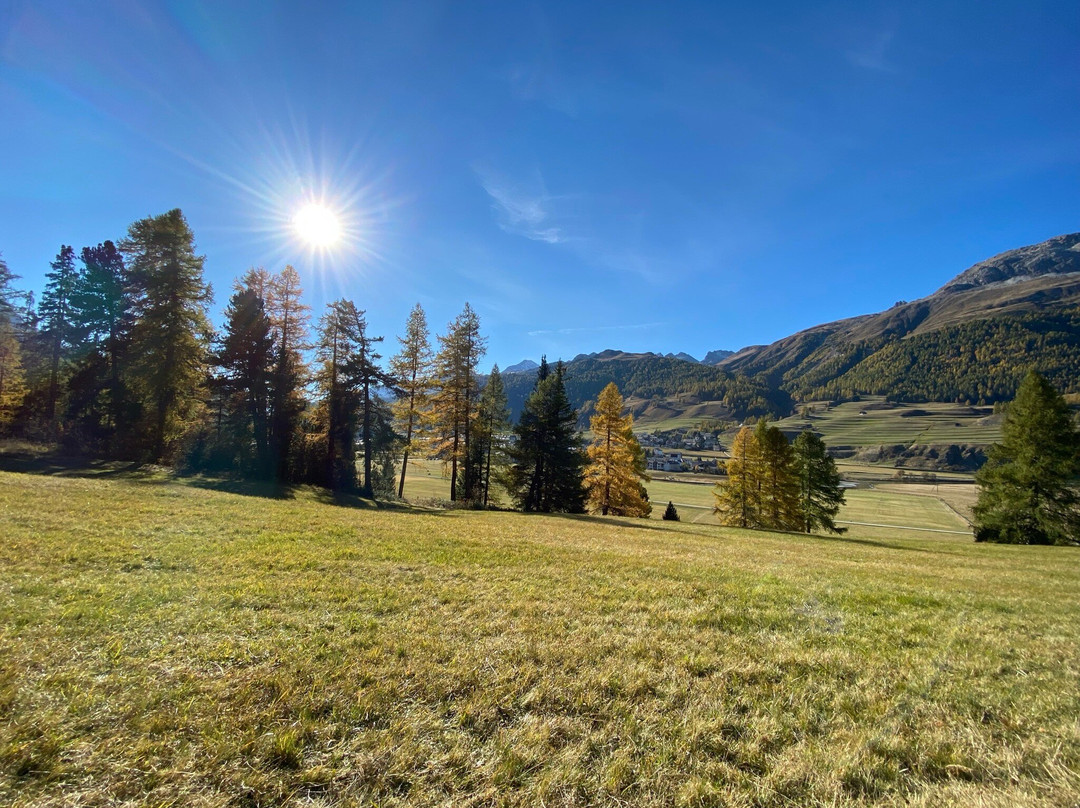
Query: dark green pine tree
(338,405)
(547,474)
(246,358)
(289,318)
(366,377)
(55,312)
(820,494)
(670,514)
(171,334)
(1025,487)
(101,305)
(349,377)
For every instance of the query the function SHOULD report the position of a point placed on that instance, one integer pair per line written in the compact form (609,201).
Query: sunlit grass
(165,643)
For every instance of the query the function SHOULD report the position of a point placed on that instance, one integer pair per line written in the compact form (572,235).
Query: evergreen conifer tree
(670,513)
(12,387)
(289,319)
(820,494)
(171,334)
(55,311)
(1026,493)
(616,460)
(101,304)
(548,463)
(246,358)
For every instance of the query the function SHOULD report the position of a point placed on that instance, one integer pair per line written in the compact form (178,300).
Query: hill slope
(654,379)
(1018,308)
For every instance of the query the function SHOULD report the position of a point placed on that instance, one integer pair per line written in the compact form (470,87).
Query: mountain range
(972,340)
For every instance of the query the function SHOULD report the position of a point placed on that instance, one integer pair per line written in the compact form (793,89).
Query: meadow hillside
(167,643)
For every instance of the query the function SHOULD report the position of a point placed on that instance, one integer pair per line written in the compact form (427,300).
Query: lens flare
(317,225)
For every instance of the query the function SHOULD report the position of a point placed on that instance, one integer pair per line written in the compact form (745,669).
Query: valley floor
(196,643)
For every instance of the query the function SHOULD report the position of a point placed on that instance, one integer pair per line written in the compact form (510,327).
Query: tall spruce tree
(289,319)
(246,359)
(453,400)
(820,494)
(102,315)
(365,375)
(55,311)
(412,369)
(333,351)
(547,460)
(1026,487)
(349,376)
(616,460)
(171,335)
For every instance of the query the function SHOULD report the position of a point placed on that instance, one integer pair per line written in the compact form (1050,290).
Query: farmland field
(167,642)
(903,506)
(874,421)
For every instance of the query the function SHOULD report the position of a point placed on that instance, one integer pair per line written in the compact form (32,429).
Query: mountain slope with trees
(650,376)
(986,327)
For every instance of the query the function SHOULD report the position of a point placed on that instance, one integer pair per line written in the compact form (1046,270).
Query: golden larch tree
(616,461)
(738,499)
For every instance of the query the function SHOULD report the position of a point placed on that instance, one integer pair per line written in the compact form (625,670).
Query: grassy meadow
(873,421)
(906,507)
(171,642)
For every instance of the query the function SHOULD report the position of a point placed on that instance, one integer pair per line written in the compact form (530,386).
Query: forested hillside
(972,340)
(979,362)
(649,376)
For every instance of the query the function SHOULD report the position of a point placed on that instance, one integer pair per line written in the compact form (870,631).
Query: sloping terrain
(667,380)
(1012,297)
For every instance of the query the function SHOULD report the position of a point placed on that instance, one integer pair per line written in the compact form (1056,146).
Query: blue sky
(665,177)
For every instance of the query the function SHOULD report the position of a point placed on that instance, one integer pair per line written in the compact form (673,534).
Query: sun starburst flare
(317,225)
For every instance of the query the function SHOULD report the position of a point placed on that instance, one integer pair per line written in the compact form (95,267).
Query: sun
(317,225)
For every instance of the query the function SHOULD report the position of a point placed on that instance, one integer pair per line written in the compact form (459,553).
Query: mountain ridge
(971,340)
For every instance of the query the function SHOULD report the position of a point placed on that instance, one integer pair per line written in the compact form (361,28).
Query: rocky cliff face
(1056,256)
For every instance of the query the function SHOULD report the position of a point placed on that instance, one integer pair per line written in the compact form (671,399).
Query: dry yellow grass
(167,644)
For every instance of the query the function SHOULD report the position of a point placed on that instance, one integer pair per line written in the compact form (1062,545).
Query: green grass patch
(164,643)
(873,421)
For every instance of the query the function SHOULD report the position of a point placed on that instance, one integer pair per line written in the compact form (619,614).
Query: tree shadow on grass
(696,530)
(265,489)
(61,465)
(347,499)
(56,464)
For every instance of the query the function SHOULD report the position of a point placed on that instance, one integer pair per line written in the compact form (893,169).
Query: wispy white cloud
(595,329)
(871,52)
(521,211)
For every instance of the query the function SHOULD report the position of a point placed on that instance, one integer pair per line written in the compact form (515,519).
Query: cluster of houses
(682,439)
(657,459)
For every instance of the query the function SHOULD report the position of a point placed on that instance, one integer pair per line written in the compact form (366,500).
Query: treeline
(657,376)
(118,359)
